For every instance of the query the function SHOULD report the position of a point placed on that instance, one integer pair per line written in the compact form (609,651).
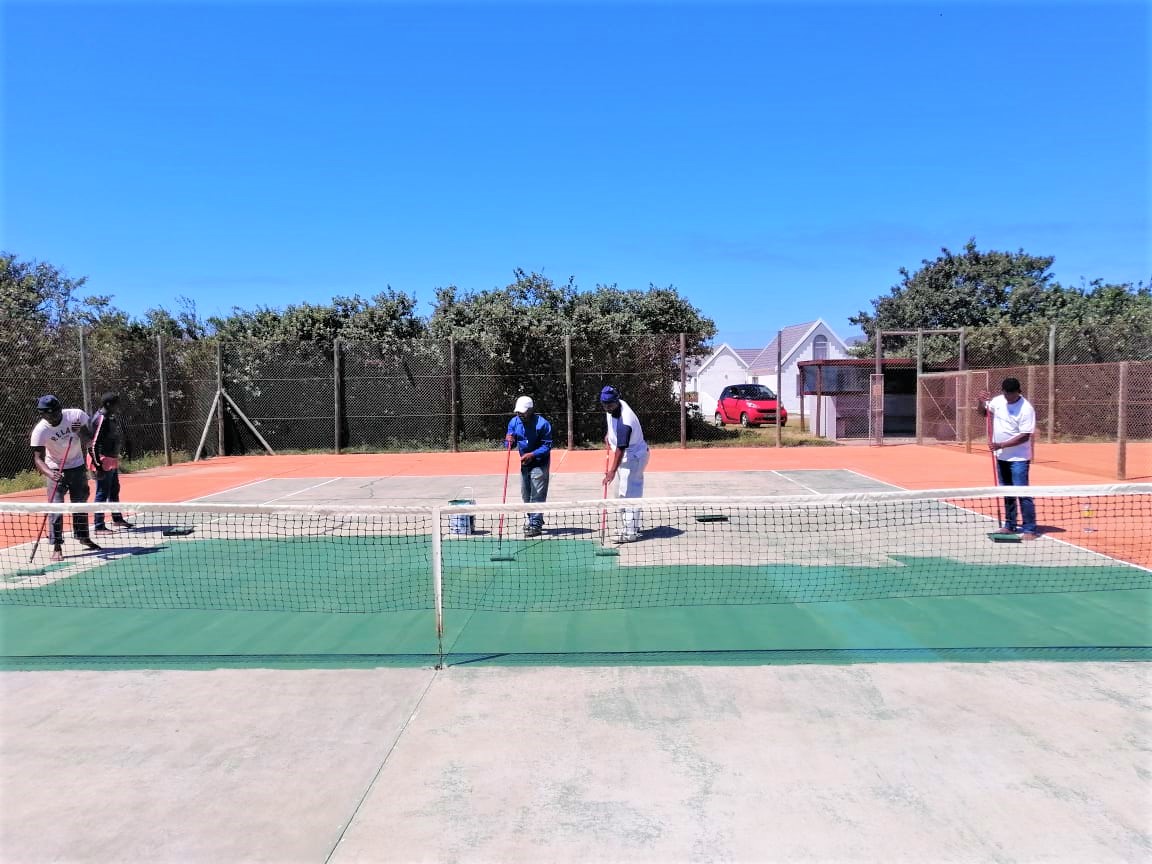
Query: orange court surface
(906,466)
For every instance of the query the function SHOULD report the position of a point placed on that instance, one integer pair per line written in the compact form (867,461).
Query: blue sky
(776,162)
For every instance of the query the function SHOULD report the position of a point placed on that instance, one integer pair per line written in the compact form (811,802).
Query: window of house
(820,348)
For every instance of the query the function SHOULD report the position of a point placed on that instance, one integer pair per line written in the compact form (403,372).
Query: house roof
(741,355)
(790,338)
(747,354)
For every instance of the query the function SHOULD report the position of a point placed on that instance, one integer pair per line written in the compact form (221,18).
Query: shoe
(625,538)
(122,523)
(88,544)
(101,529)
(1008,529)
(532,531)
(57,554)
(1029,535)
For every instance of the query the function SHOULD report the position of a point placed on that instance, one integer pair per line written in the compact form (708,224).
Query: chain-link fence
(213,397)
(1081,403)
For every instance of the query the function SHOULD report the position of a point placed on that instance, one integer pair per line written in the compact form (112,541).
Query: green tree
(511,340)
(1007,301)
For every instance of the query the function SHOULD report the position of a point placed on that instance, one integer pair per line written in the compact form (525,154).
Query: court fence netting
(617,555)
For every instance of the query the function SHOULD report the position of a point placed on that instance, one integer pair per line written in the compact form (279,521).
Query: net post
(1122,423)
(165,432)
(438,585)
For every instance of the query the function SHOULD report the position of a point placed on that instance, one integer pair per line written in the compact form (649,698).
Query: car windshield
(758,391)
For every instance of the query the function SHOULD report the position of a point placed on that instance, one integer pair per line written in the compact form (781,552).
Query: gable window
(820,348)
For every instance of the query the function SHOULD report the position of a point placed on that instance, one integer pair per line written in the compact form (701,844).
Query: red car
(749,405)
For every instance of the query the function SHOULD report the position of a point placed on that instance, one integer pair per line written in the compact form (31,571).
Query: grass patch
(22,482)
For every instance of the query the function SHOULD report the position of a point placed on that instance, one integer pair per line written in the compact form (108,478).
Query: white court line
(226,491)
(305,489)
(797,482)
(873,479)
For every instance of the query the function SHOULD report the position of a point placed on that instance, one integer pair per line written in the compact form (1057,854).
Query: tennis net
(677,552)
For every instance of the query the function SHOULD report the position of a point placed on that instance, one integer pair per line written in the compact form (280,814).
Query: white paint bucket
(462,523)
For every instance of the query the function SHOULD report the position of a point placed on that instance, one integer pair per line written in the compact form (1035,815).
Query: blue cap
(609,394)
(47,403)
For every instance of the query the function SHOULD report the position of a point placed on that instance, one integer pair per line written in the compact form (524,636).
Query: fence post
(337,402)
(453,396)
(1051,383)
(85,384)
(1122,424)
(568,390)
(165,432)
(963,352)
(965,411)
(683,395)
(779,386)
(919,375)
(219,397)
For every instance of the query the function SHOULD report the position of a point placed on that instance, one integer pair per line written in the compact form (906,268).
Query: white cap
(524,403)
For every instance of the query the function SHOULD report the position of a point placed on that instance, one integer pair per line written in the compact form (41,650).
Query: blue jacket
(537,441)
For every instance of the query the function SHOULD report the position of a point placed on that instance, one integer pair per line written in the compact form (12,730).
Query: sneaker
(88,544)
(57,554)
(1029,535)
(1008,529)
(533,531)
(101,529)
(625,538)
(122,523)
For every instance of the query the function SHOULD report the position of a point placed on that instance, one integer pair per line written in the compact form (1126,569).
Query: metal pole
(219,393)
(1051,383)
(819,400)
(453,396)
(963,352)
(337,374)
(568,391)
(84,382)
(879,351)
(919,374)
(164,430)
(683,395)
(1122,424)
(779,386)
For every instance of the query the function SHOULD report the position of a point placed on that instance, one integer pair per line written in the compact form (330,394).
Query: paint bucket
(462,523)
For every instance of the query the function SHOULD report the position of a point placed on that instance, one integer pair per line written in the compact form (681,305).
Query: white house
(814,340)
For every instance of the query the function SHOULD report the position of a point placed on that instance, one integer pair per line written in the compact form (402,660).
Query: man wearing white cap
(532,435)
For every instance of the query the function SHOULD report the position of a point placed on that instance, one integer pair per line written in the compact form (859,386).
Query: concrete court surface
(1006,762)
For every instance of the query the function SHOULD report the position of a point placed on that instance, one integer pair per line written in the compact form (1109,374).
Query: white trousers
(630,484)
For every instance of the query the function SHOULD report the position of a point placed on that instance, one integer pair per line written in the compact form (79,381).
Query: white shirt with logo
(1010,419)
(58,440)
(636,445)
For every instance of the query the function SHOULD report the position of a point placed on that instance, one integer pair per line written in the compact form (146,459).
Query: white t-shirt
(1010,419)
(635,435)
(56,440)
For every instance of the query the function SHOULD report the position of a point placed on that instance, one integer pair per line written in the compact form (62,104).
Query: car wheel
(784,422)
(744,421)
(719,419)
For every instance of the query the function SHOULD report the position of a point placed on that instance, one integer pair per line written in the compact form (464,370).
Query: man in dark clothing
(104,456)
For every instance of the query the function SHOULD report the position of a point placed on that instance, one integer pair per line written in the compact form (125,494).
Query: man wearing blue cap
(59,442)
(627,458)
